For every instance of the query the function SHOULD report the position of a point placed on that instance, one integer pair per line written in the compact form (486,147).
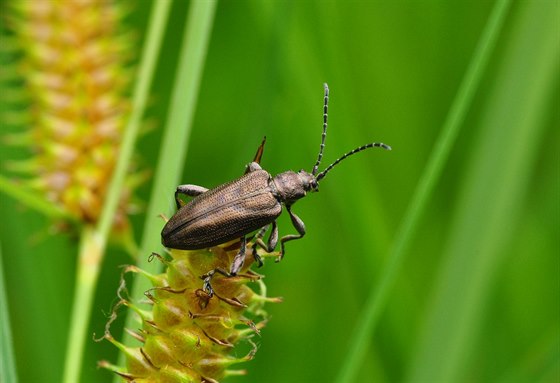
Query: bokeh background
(481,277)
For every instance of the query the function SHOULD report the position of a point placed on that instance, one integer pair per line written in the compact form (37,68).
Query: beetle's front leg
(188,190)
(299,226)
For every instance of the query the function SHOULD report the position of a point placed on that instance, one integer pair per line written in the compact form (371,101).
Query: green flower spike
(188,335)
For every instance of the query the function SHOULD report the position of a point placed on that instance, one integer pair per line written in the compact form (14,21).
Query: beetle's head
(308,181)
(292,186)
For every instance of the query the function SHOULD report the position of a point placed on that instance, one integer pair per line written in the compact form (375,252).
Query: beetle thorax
(292,186)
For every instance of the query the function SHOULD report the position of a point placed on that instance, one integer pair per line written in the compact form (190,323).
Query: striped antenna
(324,135)
(322,175)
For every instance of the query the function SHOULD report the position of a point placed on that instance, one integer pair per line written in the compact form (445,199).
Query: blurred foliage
(393,69)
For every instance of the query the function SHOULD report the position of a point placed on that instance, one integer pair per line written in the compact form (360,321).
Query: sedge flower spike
(72,60)
(188,335)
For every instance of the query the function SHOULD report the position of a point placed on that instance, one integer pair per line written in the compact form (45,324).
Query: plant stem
(89,262)
(380,294)
(175,140)
(7,355)
(93,241)
(140,97)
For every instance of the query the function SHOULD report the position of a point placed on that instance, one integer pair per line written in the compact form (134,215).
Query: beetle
(247,204)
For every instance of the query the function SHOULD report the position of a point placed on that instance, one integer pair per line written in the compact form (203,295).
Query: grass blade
(140,97)
(512,127)
(175,141)
(379,295)
(7,355)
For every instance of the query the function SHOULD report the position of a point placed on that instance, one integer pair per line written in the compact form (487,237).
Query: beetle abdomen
(222,214)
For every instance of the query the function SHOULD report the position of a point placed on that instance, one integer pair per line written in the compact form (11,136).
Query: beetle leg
(259,242)
(189,190)
(236,266)
(239,259)
(271,243)
(269,246)
(299,226)
(273,239)
(257,258)
(208,277)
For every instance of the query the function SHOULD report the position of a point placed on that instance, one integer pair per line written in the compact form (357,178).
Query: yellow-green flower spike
(190,336)
(73,65)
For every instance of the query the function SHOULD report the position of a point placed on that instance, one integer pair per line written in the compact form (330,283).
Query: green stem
(7,355)
(144,76)
(175,140)
(380,294)
(89,262)
(93,241)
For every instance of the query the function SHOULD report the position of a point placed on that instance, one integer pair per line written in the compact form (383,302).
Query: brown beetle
(242,206)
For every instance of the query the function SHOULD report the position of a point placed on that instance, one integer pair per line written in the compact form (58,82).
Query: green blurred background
(481,277)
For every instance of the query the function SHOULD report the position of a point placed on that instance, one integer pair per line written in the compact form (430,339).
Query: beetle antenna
(322,175)
(324,135)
